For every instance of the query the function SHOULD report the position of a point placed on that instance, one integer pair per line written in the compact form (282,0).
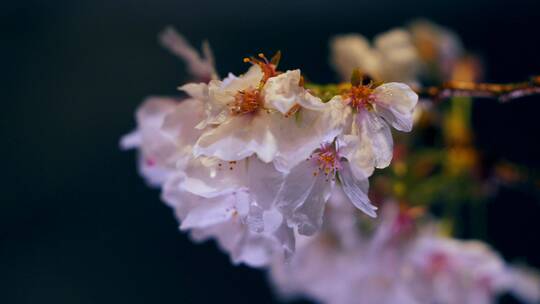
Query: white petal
(375,138)
(154,174)
(239,137)
(303,196)
(194,211)
(208,179)
(353,51)
(299,136)
(525,284)
(398,56)
(158,152)
(253,249)
(216,104)
(311,102)
(283,92)
(286,238)
(222,218)
(264,182)
(361,159)
(221,93)
(251,79)
(210,211)
(356,190)
(180,123)
(131,140)
(297,186)
(309,216)
(395,102)
(196,90)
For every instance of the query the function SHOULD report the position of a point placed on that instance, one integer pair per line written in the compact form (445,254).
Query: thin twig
(503,92)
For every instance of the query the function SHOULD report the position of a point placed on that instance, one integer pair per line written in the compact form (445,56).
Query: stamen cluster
(328,161)
(359,97)
(247,101)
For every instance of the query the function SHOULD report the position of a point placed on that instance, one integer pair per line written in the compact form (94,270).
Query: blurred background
(77,223)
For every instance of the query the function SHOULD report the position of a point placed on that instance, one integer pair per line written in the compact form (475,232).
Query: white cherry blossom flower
(439,49)
(345,265)
(393,57)
(308,186)
(212,199)
(374,110)
(453,271)
(253,114)
(165,135)
(392,263)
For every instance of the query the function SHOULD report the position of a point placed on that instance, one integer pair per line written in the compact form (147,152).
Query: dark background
(77,223)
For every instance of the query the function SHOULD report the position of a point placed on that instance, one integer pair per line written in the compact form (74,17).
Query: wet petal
(180,123)
(196,90)
(210,212)
(239,137)
(286,238)
(375,138)
(158,151)
(309,216)
(297,186)
(395,102)
(283,92)
(209,177)
(398,56)
(361,159)
(356,190)
(353,51)
(264,181)
(299,136)
(251,79)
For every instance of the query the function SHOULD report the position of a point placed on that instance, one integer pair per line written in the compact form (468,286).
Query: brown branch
(503,92)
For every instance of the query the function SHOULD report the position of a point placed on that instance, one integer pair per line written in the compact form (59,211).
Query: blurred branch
(503,92)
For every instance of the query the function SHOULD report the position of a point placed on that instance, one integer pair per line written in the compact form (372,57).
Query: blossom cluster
(276,171)
(396,259)
(251,160)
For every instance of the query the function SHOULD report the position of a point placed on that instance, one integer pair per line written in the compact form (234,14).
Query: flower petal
(180,124)
(353,51)
(251,79)
(356,190)
(158,153)
(360,158)
(210,212)
(208,177)
(375,138)
(309,216)
(264,183)
(283,92)
(239,137)
(196,90)
(298,184)
(398,56)
(303,196)
(299,136)
(395,102)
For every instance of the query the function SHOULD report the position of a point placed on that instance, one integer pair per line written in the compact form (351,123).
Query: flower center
(360,96)
(328,161)
(246,101)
